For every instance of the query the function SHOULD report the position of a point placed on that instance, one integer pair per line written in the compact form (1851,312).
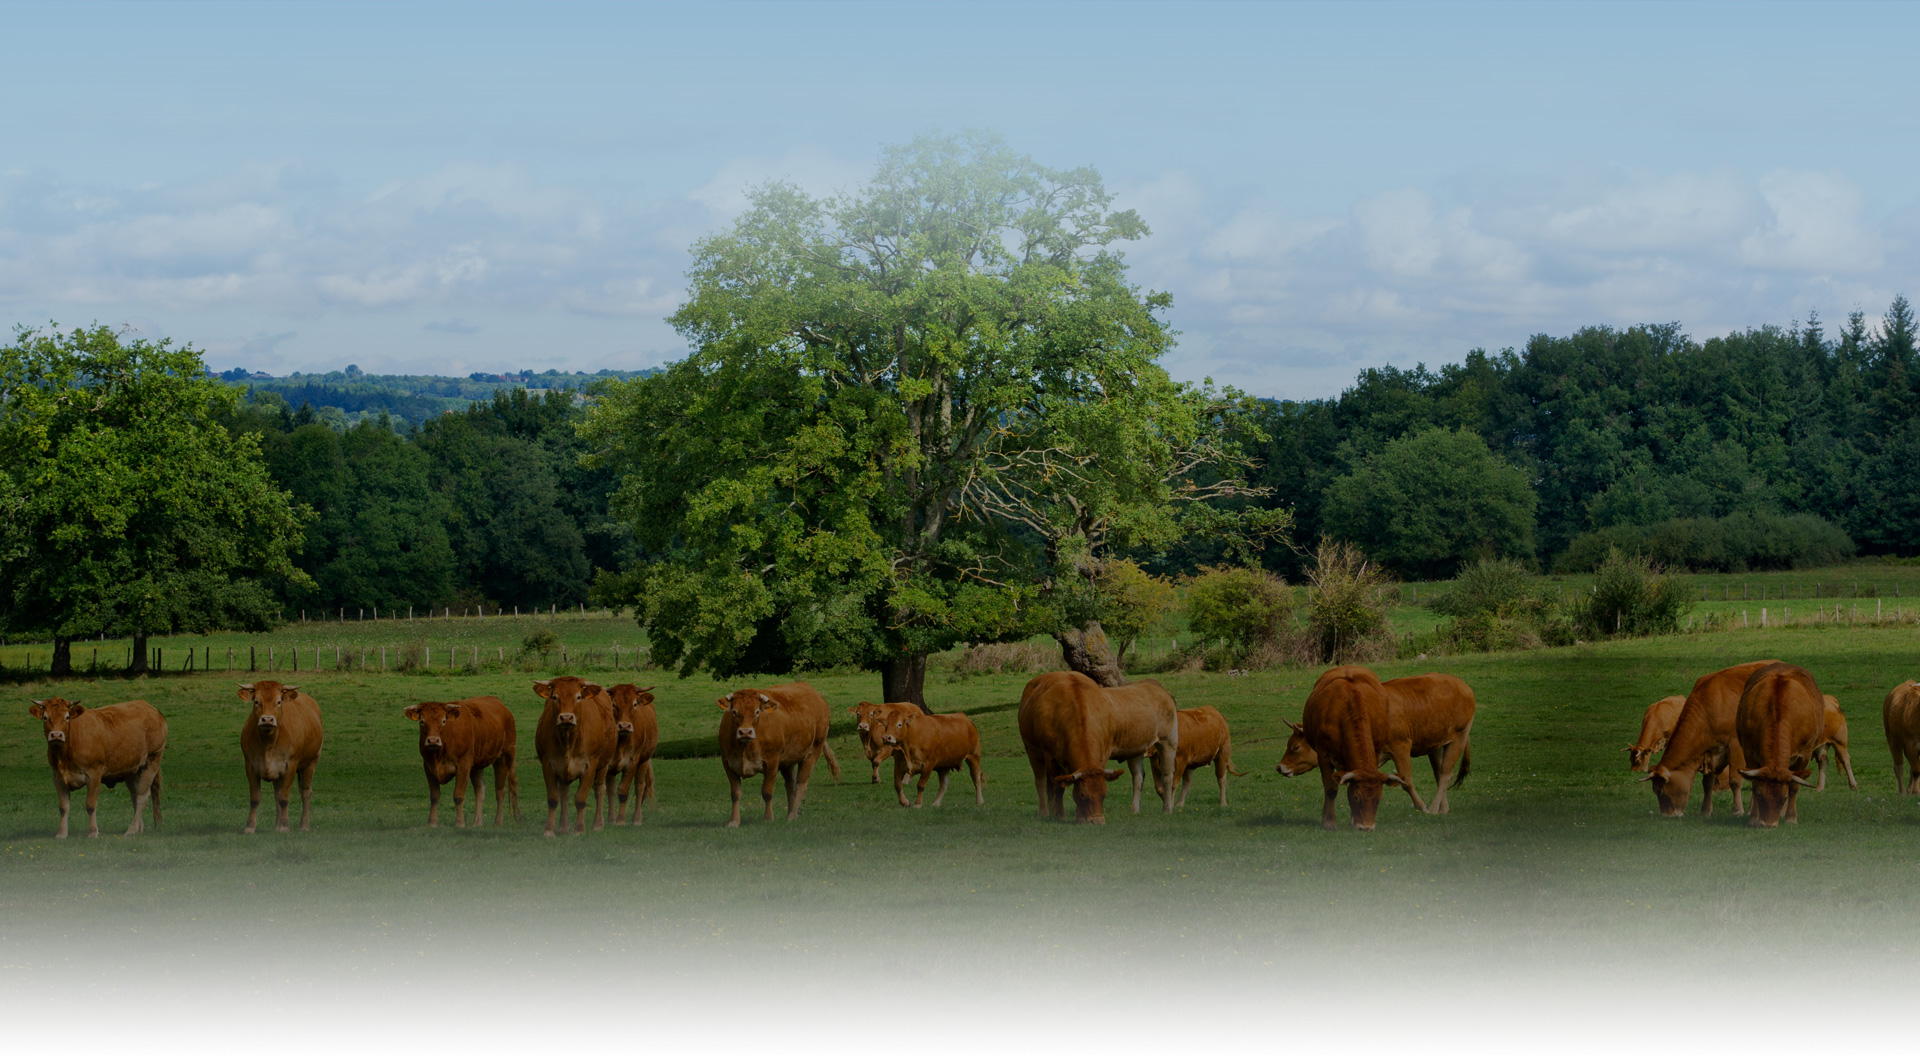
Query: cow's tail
(646,781)
(832,762)
(1466,766)
(1226,758)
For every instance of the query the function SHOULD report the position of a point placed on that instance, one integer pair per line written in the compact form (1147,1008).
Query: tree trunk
(904,680)
(62,657)
(138,665)
(1087,652)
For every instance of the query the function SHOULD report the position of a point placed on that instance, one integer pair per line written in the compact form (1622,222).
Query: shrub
(1237,609)
(1739,542)
(1131,602)
(1631,596)
(540,642)
(1020,657)
(1347,605)
(1494,608)
(1493,585)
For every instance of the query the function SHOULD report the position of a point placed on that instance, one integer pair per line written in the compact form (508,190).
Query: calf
(637,733)
(872,721)
(1901,717)
(764,731)
(1345,721)
(88,747)
(458,742)
(1066,726)
(1146,722)
(933,743)
(1703,741)
(1204,740)
(575,741)
(1781,720)
(279,741)
(1656,726)
(1834,737)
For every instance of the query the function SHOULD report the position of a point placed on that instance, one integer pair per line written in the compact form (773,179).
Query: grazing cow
(91,746)
(1901,716)
(1204,740)
(1428,715)
(279,741)
(872,722)
(764,731)
(933,743)
(1146,722)
(1704,741)
(575,741)
(458,742)
(1781,720)
(1067,726)
(637,730)
(1345,721)
(1835,737)
(1656,727)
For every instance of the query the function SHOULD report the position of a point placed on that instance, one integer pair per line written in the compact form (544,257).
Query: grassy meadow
(1548,840)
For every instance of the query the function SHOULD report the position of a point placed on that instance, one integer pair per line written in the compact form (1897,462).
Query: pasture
(1548,842)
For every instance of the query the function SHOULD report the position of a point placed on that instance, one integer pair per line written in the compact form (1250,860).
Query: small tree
(1240,607)
(1426,503)
(1631,596)
(1346,603)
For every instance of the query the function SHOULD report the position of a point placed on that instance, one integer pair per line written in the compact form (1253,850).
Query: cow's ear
(74,710)
(412,712)
(1115,774)
(39,708)
(590,690)
(1065,779)
(453,711)
(246,691)
(724,705)
(284,689)
(542,688)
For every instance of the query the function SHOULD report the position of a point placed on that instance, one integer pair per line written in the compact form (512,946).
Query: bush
(1020,657)
(1347,605)
(1735,543)
(1237,609)
(1631,596)
(1494,608)
(1493,585)
(541,642)
(1131,602)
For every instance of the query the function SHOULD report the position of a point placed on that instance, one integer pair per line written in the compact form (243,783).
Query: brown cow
(1781,720)
(872,720)
(91,746)
(1204,740)
(1834,737)
(1428,715)
(575,741)
(764,731)
(1146,722)
(1703,741)
(638,735)
(933,743)
(458,742)
(1901,716)
(280,741)
(1656,727)
(1066,725)
(1345,721)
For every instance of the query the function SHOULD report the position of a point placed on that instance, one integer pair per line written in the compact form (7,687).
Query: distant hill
(345,398)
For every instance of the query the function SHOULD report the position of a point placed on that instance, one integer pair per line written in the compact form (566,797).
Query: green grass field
(1548,841)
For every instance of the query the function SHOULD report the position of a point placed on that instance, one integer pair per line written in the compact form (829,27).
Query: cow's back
(805,718)
(1345,718)
(1835,722)
(1434,708)
(1144,714)
(1203,732)
(490,727)
(1900,714)
(117,739)
(1064,719)
(1707,721)
(1780,718)
(1656,725)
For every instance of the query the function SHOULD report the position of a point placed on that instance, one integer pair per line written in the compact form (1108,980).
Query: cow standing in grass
(1428,715)
(871,721)
(637,734)
(458,742)
(1656,727)
(1781,719)
(280,742)
(764,731)
(1067,727)
(1205,740)
(1900,715)
(1345,722)
(1835,738)
(926,744)
(575,741)
(1146,723)
(90,746)
(1704,741)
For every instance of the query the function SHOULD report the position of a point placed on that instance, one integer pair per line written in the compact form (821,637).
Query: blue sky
(454,188)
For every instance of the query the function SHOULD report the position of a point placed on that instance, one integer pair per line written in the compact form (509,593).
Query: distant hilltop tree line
(348,397)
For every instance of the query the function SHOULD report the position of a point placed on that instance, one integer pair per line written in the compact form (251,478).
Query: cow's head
(627,703)
(266,697)
(1772,787)
(563,696)
(433,719)
(55,714)
(894,730)
(865,714)
(1364,788)
(1089,792)
(743,709)
(1671,787)
(1299,757)
(1639,758)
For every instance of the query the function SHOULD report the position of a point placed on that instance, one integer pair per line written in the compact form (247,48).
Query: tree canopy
(1429,502)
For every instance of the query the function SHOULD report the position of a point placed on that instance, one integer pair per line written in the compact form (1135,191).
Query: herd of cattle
(1762,723)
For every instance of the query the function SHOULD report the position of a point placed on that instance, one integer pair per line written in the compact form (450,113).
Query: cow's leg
(433,802)
(920,792)
(1820,759)
(766,788)
(1186,784)
(1403,764)
(460,794)
(1443,773)
(733,785)
(900,778)
(1846,765)
(306,796)
(1169,756)
(623,793)
(1043,782)
(1330,787)
(66,800)
(802,779)
(979,779)
(153,791)
(282,797)
(1899,765)
(554,793)
(1736,761)
(253,799)
(1137,765)
(945,775)
(603,797)
(581,793)
(1793,803)
(140,788)
(477,785)
(873,759)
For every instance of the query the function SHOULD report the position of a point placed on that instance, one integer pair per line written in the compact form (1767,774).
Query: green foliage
(1131,602)
(1494,585)
(1238,608)
(1495,608)
(1347,605)
(125,503)
(1427,503)
(1739,542)
(1631,596)
(540,643)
